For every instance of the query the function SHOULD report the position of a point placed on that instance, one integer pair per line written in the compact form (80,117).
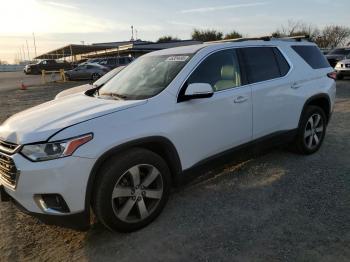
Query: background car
(337,55)
(86,71)
(113,62)
(48,65)
(343,68)
(82,88)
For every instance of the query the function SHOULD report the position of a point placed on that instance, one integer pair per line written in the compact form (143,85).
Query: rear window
(263,63)
(312,55)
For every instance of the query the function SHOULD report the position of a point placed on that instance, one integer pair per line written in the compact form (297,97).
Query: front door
(212,125)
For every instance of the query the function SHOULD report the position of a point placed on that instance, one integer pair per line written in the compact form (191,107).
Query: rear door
(275,105)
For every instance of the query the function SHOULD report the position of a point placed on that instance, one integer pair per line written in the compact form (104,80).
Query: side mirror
(198,90)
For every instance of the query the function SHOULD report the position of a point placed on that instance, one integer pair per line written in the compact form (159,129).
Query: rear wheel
(131,190)
(311,131)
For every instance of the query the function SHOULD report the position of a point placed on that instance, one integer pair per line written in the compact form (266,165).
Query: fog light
(52,203)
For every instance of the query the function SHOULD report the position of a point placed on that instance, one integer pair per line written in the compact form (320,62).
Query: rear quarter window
(263,63)
(312,55)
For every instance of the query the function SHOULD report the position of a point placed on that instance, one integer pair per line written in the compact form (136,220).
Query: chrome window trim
(291,67)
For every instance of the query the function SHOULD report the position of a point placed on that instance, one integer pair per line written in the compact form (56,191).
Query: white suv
(118,148)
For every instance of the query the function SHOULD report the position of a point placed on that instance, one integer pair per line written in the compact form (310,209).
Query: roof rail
(263,38)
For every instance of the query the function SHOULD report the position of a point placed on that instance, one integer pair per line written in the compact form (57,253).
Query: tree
(167,38)
(329,37)
(296,28)
(233,35)
(333,36)
(206,35)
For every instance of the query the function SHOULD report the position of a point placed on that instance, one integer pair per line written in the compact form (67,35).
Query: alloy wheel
(137,193)
(313,131)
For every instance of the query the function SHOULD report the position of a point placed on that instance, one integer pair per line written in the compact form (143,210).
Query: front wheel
(131,190)
(311,131)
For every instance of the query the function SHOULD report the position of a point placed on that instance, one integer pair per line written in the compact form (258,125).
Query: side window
(89,67)
(220,70)
(260,64)
(312,55)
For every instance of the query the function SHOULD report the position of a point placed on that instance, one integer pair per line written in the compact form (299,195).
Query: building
(124,48)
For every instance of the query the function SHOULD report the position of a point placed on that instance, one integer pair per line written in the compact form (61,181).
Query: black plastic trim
(77,221)
(313,98)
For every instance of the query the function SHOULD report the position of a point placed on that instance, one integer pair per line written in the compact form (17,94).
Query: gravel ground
(277,206)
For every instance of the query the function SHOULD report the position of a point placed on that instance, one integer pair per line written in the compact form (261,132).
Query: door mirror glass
(198,90)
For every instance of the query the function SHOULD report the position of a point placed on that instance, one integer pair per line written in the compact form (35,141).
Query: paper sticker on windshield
(178,58)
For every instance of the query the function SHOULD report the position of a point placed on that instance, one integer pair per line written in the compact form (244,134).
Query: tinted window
(220,70)
(260,64)
(312,55)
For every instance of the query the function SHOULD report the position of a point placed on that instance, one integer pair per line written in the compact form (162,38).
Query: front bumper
(66,177)
(342,71)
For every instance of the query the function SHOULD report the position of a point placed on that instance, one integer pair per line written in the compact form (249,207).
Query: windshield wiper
(114,95)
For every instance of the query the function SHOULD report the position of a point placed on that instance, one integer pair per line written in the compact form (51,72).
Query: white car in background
(343,68)
(117,149)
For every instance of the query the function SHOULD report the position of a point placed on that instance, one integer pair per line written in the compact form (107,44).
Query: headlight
(53,150)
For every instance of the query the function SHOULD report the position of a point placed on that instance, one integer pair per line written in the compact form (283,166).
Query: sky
(60,22)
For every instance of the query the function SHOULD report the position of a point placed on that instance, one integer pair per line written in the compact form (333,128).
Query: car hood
(42,121)
(74,90)
(345,61)
(337,57)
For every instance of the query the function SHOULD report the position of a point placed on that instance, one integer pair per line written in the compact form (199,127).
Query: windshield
(108,76)
(339,52)
(145,77)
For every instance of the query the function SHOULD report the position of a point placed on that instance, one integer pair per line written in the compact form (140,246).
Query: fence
(11,68)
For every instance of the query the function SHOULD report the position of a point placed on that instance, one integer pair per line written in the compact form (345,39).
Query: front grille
(7,147)
(8,170)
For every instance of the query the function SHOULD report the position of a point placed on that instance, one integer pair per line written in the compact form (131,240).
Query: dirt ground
(12,80)
(277,206)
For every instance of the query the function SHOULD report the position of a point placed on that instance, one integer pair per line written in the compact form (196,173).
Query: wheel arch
(157,144)
(321,100)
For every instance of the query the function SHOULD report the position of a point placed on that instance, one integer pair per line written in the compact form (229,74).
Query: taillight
(332,75)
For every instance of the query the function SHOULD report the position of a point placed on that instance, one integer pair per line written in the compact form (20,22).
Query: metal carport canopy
(71,50)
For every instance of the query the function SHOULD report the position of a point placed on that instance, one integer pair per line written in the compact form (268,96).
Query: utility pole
(132,33)
(24,53)
(34,44)
(27,50)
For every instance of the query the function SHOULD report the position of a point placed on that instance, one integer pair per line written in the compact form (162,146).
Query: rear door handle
(296,86)
(240,99)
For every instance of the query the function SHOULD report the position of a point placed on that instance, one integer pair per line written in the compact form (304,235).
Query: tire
(138,203)
(340,77)
(310,129)
(95,76)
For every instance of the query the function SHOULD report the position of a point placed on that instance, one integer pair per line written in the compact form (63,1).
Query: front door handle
(240,99)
